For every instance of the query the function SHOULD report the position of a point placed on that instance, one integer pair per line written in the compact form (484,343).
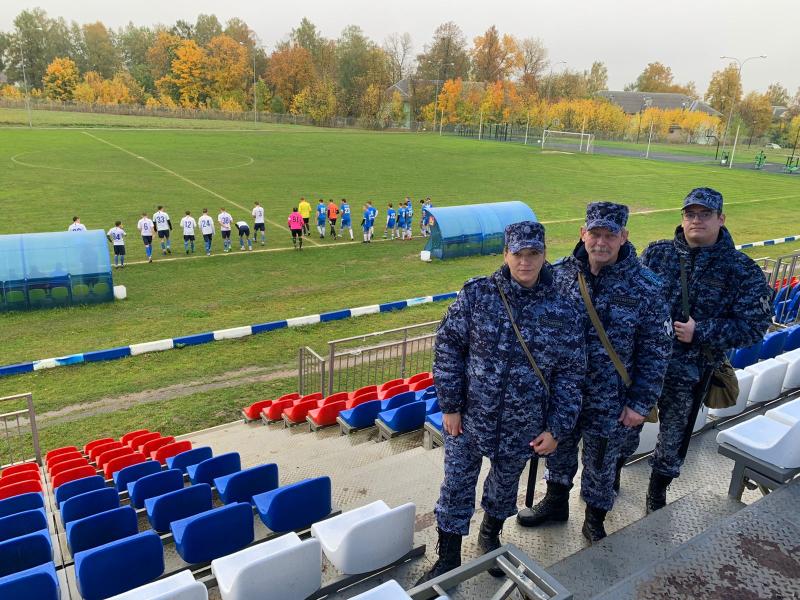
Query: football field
(106,174)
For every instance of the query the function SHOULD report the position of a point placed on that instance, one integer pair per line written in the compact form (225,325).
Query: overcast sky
(687,35)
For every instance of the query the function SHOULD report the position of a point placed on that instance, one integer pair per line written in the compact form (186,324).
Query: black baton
(532,476)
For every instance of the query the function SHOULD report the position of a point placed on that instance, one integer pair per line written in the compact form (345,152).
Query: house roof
(632,102)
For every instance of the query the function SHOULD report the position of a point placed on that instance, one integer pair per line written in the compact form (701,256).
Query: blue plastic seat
(362,415)
(792,338)
(295,506)
(773,345)
(241,486)
(214,533)
(119,566)
(407,417)
(89,503)
(128,474)
(435,419)
(744,357)
(427,393)
(190,457)
(162,510)
(787,311)
(398,400)
(22,523)
(79,486)
(25,552)
(432,406)
(39,583)
(154,485)
(217,466)
(23,502)
(102,528)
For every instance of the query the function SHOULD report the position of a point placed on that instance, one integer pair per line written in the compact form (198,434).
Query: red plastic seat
(298,412)
(390,384)
(163,453)
(98,442)
(58,451)
(109,455)
(274,411)
(290,396)
(21,487)
(28,466)
(421,385)
(66,466)
(62,458)
(309,397)
(326,415)
(140,439)
(337,397)
(369,389)
(253,412)
(7,480)
(393,391)
(418,376)
(149,447)
(73,474)
(121,462)
(100,448)
(361,399)
(132,434)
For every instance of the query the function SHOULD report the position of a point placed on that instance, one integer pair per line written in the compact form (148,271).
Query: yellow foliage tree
(230,105)
(226,66)
(189,74)
(11,92)
(60,79)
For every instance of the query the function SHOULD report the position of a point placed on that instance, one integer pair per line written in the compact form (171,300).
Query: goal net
(567,141)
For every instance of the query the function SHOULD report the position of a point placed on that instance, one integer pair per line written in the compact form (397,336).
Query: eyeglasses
(701,215)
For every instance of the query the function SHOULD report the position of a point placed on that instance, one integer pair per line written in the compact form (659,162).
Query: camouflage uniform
(482,372)
(731,304)
(629,301)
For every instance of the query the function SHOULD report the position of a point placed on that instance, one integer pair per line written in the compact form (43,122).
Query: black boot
(620,463)
(657,491)
(554,507)
(593,529)
(489,539)
(449,550)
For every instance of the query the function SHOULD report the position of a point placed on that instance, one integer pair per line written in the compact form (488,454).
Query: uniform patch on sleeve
(714,282)
(626,301)
(648,275)
(551,321)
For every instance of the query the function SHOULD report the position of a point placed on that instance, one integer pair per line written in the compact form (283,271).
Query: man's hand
(544,444)
(451,423)
(685,331)
(630,418)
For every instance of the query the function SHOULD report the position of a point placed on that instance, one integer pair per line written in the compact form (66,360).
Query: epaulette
(475,280)
(659,243)
(650,276)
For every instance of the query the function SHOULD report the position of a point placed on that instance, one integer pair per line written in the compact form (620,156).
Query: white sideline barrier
(233,333)
(365,310)
(390,590)
(766,439)
(746,379)
(792,378)
(306,320)
(768,382)
(156,346)
(788,413)
(181,586)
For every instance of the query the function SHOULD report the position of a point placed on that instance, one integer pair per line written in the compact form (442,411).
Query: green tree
(724,89)
(447,57)
(596,78)
(756,112)
(360,64)
(657,77)
(778,95)
(206,28)
(101,54)
(133,43)
(39,39)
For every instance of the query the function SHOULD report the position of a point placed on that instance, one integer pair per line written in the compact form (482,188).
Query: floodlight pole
(255,91)
(649,139)
(480,126)
(741,64)
(733,151)
(527,124)
(25,83)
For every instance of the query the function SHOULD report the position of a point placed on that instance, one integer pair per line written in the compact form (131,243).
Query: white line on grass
(186,179)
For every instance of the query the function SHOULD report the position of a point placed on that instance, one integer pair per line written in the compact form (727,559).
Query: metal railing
(22,428)
(311,372)
(780,272)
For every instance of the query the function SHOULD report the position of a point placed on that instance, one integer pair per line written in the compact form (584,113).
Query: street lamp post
(25,84)
(741,64)
(255,92)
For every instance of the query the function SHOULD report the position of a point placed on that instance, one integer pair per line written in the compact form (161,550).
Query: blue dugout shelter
(41,270)
(473,229)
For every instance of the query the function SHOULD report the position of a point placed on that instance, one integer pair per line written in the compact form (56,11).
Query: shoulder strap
(522,342)
(601,332)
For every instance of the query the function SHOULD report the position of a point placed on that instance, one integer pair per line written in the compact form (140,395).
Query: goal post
(568,141)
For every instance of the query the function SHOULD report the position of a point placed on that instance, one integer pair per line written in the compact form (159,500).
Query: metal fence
(312,374)
(18,432)
(781,273)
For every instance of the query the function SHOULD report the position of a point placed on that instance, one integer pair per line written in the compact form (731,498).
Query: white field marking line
(15,159)
(181,177)
(661,210)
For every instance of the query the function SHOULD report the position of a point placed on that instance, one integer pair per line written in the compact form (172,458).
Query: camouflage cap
(525,234)
(610,215)
(704,196)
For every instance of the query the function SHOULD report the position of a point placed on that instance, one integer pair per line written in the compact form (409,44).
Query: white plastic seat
(745,384)
(766,439)
(181,586)
(390,590)
(768,382)
(788,413)
(792,378)
(647,439)
(367,538)
(284,568)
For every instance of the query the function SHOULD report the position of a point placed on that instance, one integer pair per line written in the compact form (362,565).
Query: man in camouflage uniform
(630,304)
(494,402)
(729,307)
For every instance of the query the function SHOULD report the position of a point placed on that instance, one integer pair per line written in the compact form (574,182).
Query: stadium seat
(22,523)
(165,452)
(390,590)
(149,447)
(89,503)
(57,451)
(361,416)
(20,503)
(792,337)
(353,402)
(791,380)
(745,379)
(22,487)
(74,459)
(421,384)
(398,400)
(204,536)
(21,476)
(181,586)
(121,462)
(139,440)
(435,419)
(393,391)
(432,406)
(293,415)
(132,434)
(744,357)
(367,538)
(91,445)
(772,345)
(390,384)
(216,466)
(295,506)
(337,397)
(106,570)
(369,389)
(189,457)
(37,297)
(133,472)
(419,377)
(274,412)
(163,509)
(241,486)
(39,582)
(286,566)
(766,439)
(109,455)
(101,289)
(72,475)
(426,394)
(25,552)
(787,312)
(788,414)
(406,417)
(101,528)
(768,382)
(60,295)
(20,468)
(309,397)
(15,299)
(80,291)
(253,412)
(79,486)
(100,448)
(153,485)
(325,415)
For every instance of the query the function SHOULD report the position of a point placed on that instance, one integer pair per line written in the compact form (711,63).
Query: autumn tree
(60,79)
(398,51)
(447,57)
(318,101)
(532,63)
(99,52)
(361,63)
(290,70)
(756,112)
(494,57)
(657,77)
(226,66)
(189,74)
(778,95)
(133,43)
(596,78)
(161,54)
(206,28)
(724,89)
